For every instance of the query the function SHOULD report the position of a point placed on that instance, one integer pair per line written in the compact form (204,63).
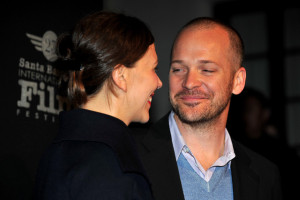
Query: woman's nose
(159,85)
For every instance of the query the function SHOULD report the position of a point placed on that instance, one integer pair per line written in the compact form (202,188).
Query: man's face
(201,75)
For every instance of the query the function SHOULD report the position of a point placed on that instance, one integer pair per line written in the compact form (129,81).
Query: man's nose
(192,80)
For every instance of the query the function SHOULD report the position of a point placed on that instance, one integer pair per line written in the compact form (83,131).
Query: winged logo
(45,44)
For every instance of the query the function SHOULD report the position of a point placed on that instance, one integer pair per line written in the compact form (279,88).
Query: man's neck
(206,140)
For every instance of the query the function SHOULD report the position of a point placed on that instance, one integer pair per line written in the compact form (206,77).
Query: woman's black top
(92,157)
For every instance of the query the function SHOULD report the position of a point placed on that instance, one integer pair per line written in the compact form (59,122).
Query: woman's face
(142,83)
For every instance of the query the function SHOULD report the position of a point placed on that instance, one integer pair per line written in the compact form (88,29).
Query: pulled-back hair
(99,42)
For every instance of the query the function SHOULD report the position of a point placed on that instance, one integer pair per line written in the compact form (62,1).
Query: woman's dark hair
(99,42)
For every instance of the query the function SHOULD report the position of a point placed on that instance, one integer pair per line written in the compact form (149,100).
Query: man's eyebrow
(199,61)
(177,61)
(205,61)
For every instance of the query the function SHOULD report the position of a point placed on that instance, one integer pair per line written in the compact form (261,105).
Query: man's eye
(177,70)
(208,71)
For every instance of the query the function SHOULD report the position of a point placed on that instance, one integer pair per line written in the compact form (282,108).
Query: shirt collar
(179,143)
(177,139)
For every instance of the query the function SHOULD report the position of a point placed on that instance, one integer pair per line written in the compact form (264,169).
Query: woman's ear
(119,77)
(239,81)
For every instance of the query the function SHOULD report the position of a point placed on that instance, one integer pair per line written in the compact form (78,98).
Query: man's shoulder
(141,130)
(256,160)
(153,135)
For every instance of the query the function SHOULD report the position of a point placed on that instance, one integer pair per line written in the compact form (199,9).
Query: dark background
(23,137)
(272,61)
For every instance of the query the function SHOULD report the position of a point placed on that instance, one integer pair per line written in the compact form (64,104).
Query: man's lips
(192,95)
(188,97)
(192,99)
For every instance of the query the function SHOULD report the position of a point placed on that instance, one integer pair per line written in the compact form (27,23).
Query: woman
(112,80)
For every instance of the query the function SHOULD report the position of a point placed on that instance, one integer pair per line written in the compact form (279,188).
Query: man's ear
(118,76)
(239,81)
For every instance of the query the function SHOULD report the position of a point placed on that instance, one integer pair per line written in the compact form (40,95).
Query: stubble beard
(189,114)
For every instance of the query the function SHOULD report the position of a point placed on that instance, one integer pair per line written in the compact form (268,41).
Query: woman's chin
(144,119)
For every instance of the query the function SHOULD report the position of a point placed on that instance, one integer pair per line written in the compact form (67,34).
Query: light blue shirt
(180,147)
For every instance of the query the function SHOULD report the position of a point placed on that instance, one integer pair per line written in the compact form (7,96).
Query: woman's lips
(150,98)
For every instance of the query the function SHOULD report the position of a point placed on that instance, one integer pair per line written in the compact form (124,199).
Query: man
(189,154)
